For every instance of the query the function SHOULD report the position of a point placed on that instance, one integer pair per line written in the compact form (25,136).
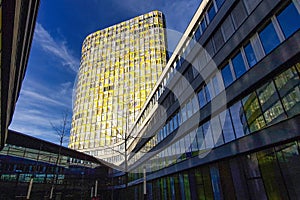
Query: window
(200,140)
(227,75)
(269,38)
(251,4)
(250,55)
(203,25)
(218,39)
(219,3)
(217,87)
(288,86)
(211,12)
(227,28)
(289,20)
(197,34)
(270,103)
(201,97)
(253,112)
(209,91)
(239,120)
(228,131)
(239,14)
(217,131)
(238,65)
(210,49)
(208,135)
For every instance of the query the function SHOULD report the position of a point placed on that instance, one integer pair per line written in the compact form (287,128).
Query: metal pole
(29,188)
(92,192)
(145,183)
(96,188)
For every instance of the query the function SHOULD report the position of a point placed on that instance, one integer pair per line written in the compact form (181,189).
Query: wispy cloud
(39,105)
(55,47)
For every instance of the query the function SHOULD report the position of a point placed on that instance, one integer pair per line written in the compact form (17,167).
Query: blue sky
(55,54)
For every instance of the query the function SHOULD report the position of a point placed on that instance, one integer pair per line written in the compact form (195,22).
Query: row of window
(267,174)
(274,101)
(227,29)
(242,61)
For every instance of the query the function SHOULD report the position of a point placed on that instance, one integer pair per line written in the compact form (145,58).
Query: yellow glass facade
(119,67)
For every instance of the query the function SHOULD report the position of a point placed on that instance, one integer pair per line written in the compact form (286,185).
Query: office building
(236,134)
(119,67)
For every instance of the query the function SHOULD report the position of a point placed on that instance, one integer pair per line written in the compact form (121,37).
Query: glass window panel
(203,25)
(269,38)
(218,39)
(288,86)
(228,131)
(198,34)
(183,113)
(271,175)
(238,120)
(217,131)
(289,20)
(211,12)
(250,55)
(240,185)
(216,85)
(238,65)
(208,135)
(239,14)
(208,90)
(251,4)
(227,28)
(195,104)
(189,109)
(289,161)
(215,182)
(227,75)
(210,49)
(253,112)
(219,3)
(200,138)
(270,103)
(193,137)
(201,98)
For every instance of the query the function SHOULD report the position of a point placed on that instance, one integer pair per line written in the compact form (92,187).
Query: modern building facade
(16,30)
(119,67)
(72,174)
(236,134)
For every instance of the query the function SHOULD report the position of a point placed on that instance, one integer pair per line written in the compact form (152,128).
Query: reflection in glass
(211,12)
(253,112)
(270,103)
(227,127)
(200,138)
(269,38)
(250,55)
(238,120)
(208,135)
(288,85)
(289,160)
(215,182)
(238,65)
(227,75)
(217,131)
(289,20)
(201,97)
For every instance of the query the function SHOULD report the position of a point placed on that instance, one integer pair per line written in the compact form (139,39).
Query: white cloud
(39,105)
(57,48)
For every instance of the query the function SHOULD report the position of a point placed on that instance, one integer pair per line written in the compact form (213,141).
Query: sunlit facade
(119,67)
